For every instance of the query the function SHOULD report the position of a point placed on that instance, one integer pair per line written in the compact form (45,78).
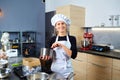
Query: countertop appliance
(100,47)
(87,42)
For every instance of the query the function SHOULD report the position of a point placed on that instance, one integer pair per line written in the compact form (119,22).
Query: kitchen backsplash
(107,37)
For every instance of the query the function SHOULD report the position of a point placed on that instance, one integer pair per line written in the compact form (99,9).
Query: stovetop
(19,72)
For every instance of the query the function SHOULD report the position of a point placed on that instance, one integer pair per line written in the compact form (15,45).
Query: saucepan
(38,76)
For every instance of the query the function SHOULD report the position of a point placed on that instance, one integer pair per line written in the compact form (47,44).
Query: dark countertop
(111,54)
(12,75)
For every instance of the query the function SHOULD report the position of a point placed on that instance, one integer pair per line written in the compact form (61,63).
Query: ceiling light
(108,29)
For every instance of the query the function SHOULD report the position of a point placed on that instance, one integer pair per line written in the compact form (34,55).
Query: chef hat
(60,17)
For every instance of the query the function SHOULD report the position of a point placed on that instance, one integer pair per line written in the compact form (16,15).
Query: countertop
(111,54)
(13,76)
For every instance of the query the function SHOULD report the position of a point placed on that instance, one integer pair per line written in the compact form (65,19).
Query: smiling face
(61,27)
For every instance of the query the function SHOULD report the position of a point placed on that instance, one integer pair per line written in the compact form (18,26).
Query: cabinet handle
(98,65)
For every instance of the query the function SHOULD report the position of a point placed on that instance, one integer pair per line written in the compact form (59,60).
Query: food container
(3,63)
(4,72)
(38,76)
(47,52)
(47,56)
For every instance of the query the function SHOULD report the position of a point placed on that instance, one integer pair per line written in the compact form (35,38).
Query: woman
(64,46)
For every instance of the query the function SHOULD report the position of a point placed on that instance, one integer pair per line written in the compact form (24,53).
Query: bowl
(47,52)
(85,43)
(38,76)
(4,72)
(3,63)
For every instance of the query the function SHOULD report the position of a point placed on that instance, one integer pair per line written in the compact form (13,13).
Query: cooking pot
(4,72)
(85,43)
(47,55)
(54,76)
(3,63)
(38,76)
(47,52)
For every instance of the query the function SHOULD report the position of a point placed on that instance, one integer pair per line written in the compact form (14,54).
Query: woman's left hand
(56,45)
(68,51)
(3,56)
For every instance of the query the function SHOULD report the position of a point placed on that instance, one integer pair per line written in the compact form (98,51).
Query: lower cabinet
(79,66)
(98,67)
(94,67)
(95,72)
(116,69)
(79,70)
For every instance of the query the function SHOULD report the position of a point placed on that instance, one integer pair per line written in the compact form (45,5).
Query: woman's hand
(68,51)
(45,57)
(54,45)
(3,56)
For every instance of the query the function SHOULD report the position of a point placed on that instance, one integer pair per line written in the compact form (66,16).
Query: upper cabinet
(28,43)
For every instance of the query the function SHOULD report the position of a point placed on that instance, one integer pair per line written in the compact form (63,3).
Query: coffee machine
(86,43)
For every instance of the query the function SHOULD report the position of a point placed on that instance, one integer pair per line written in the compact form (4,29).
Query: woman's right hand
(45,57)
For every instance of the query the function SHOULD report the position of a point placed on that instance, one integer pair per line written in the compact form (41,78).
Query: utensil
(85,43)
(38,76)
(4,72)
(55,76)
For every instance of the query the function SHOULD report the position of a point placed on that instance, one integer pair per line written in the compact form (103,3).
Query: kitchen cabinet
(49,29)
(24,42)
(116,69)
(79,66)
(98,67)
(77,16)
(28,43)
(94,67)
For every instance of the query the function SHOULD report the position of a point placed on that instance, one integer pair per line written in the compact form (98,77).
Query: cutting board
(31,62)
